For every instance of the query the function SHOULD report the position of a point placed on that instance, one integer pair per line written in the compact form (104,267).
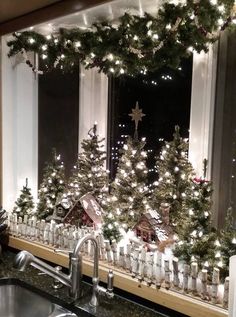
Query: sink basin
(17,300)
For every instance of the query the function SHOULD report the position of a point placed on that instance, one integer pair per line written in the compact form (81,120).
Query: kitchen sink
(17,299)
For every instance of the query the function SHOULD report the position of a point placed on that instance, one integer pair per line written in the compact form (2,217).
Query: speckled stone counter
(116,307)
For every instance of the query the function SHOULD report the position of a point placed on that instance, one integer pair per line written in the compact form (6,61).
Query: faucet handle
(110,281)
(65,251)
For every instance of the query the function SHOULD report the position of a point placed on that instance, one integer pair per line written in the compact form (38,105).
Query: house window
(58,118)
(165,98)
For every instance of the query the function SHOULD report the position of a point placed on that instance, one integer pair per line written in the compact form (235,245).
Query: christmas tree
(89,174)
(24,204)
(174,172)
(128,200)
(196,237)
(52,186)
(111,226)
(128,193)
(227,243)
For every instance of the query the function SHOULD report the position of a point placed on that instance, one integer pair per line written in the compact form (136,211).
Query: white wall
(19,128)
(202,109)
(93,103)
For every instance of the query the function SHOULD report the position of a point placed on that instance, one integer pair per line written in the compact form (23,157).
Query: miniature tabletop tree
(52,186)
(89,173)
(175,172)
(227,243)
(24,205)
(128,194)
(197,237)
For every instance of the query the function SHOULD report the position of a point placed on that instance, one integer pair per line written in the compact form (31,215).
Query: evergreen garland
(135,44)
(24,204)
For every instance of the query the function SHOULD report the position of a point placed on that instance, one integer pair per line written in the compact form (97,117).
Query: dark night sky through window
(165,98)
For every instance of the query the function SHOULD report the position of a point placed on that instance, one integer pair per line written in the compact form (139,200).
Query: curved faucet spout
(24,258)
(78,247)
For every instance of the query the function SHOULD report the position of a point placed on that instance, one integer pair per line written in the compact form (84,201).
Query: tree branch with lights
(133,45)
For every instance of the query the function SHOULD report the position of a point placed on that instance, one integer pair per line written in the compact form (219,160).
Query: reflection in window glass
(58,118)
(164,96)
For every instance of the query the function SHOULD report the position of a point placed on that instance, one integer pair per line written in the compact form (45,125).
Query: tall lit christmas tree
(128,199)
(174,172)
(52,186)
(196,237)
(24,204)
(90,174)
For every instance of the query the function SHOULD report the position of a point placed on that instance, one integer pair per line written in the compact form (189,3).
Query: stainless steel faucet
(74,279)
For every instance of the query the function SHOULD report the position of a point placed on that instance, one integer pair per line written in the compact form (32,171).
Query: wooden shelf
(173,300)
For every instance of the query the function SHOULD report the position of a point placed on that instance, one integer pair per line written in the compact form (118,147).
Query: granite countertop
(116,307)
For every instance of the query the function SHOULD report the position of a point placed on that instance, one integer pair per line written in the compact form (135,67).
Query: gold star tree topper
(137,115)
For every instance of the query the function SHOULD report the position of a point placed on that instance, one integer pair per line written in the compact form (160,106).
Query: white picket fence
(132,257)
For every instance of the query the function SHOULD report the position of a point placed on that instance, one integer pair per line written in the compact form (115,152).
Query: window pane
(165,98)
(58,117)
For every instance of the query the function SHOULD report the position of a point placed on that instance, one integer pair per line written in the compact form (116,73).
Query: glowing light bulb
(191,213)
(31,40)
(221,8)
(217,243)
(77,44)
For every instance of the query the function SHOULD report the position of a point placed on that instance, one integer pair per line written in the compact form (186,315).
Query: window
(58,118)
(165,98)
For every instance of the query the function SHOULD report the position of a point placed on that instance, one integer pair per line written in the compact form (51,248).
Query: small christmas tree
(24,204)
(111,227)
(52,186)
(89,174)
(128,200)
(196,237)
(174,172)
(227,243)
